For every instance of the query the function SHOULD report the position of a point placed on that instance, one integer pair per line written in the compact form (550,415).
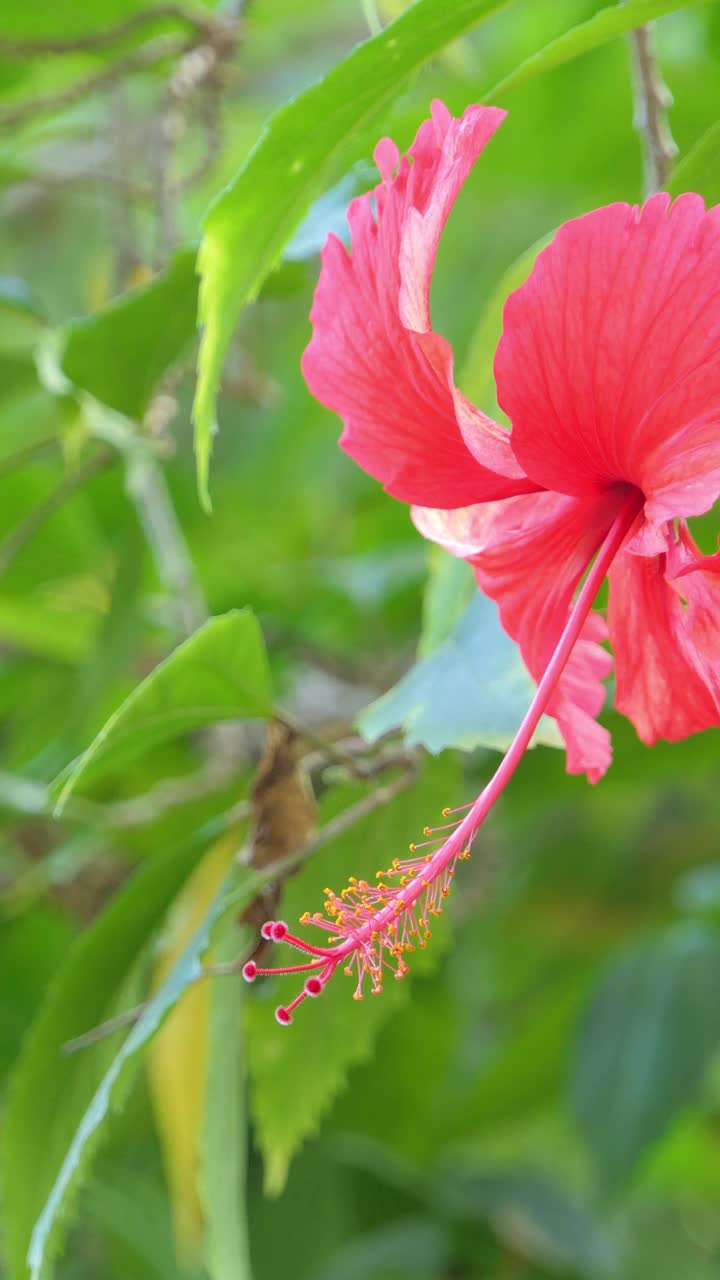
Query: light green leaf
(470,692)
(222,1173)
(220,673)
(120,354)
(50,1091)
(699,170)
(535,1216)
(603,26)
(114,1085)
(297,1071)
(249,224)
(647,1037)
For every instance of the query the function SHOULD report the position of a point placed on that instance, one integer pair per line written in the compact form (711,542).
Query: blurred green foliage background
(542,1097)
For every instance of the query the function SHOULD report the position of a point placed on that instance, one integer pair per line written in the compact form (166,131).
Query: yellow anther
(357,995)
(427,831)
(352,880)
(328,893)
(428,857)
(348,971)
(412,848)
(396,863)
(444,892)
(305,917)
(446,813)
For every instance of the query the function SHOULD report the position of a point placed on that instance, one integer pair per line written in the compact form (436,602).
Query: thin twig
(18,537)
(142,59)
(273,871)
(96,40)
(652,99)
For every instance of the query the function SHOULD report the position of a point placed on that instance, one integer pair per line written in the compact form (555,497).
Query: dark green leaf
(120,354)
(220,673)
(248,226)
(646,1039)
(470,692)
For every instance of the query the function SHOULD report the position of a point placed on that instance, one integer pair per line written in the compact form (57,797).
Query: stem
(652,98)
(463,835)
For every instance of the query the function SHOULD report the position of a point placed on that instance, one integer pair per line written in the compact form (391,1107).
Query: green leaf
(603,26)
(114,1085)
(220,673)
(50,1091)
(249,224)
(222,1172)
(533,1214)
(699,170)
(647,1036)
(470,692)
(120,354)
(297,1071)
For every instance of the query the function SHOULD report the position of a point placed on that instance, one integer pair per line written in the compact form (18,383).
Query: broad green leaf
(114,1085)
(535,1216)
(296,1072)
(220,673)
(223,1142)
(249,224)
(470,692)
(50,1091)
(699,170)
(603,26)
(646,1039)
(120,354)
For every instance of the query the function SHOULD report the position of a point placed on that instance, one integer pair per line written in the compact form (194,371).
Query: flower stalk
(372,928)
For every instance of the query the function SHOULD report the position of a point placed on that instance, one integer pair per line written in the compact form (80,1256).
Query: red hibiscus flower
(609,371)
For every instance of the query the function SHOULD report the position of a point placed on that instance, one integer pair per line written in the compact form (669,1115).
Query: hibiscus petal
(529,554)
(373,357)
(666,638)
(609,364)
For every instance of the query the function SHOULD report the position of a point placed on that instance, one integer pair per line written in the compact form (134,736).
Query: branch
(98,40)
(652,98)
(18,537)
(139,60)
